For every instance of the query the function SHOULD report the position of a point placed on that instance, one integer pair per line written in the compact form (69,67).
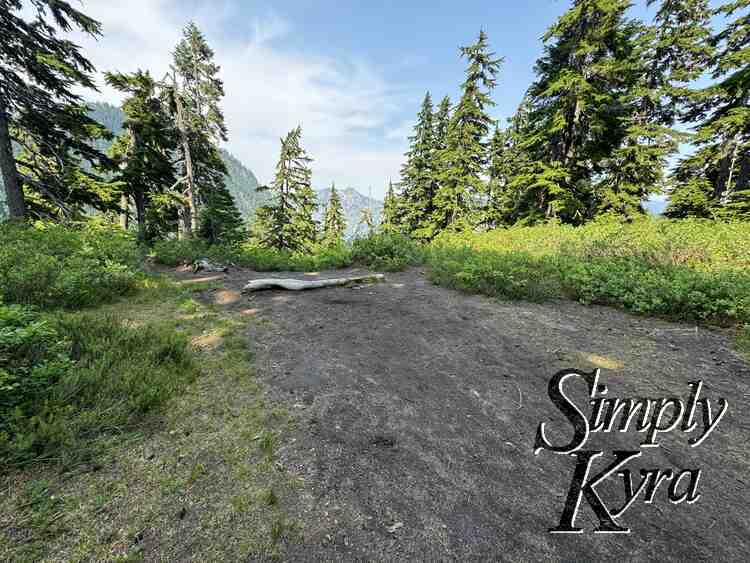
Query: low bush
(51,266)
(386,251)
(688,270)
(68,380)
(378,251)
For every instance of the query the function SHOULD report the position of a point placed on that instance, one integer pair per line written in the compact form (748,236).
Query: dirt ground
(416,409)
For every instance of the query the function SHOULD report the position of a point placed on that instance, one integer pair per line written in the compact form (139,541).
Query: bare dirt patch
(416,407)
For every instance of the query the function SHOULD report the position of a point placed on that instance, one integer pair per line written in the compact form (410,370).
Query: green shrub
(251,255)
(386,251)
(33,356)
(689,269)
(177,252)
(56,266)
(61,393)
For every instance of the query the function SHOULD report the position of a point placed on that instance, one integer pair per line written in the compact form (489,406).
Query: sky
(353,73)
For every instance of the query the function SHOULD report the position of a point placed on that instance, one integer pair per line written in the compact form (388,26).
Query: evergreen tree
(667,56)
(390,222)
(578,116)
(286,223)
(219,219)
(500,204)
(721,166)
(418,176)
(144,150)
(464,157)
(61,183)
(196,92)
(441,120)
(40,72)
(334,222)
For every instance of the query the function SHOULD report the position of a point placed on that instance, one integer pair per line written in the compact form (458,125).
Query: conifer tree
(40,72)
(667,56)
(719,171)
(389,222)
(144,150)
(441,120)
(286,222)
(499,206)
(577,109)
(196,93)
(464,157)
(418,175)
(334,222)
(219,219)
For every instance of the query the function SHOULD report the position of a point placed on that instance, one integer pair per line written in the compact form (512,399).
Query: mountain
(353,203)
(240,180)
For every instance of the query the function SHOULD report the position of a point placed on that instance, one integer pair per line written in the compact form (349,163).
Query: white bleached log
(299,285)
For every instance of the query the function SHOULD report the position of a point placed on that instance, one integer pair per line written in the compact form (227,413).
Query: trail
(416,409)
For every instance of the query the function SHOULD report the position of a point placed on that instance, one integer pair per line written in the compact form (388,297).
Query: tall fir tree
(441,120)
(462,161)
(286,222)
(40,108)
(334,221)
(715,180)
(577,114)
(667,56)
(196,93)
(390,220)
(144,150)
(418,176)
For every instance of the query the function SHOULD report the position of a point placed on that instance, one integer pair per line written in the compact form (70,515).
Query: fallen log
(300,285)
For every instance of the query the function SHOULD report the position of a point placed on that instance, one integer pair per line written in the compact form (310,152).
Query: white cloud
(346,108)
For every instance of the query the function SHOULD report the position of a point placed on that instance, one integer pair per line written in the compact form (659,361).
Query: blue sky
(353,73)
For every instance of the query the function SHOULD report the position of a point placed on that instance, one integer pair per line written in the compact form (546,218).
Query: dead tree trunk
(124,215)
(188,214)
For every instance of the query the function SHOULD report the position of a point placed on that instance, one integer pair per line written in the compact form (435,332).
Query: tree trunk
(189,213)
(13,190)
(140,214)
(124,216)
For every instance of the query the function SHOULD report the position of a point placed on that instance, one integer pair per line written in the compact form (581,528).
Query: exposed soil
(416,409)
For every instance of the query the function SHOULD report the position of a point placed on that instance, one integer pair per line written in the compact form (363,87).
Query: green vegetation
(72,381)
(389,251)
(54,266)
(103,411)
(689,270)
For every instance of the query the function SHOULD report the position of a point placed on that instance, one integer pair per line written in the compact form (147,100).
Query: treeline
(595,132)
